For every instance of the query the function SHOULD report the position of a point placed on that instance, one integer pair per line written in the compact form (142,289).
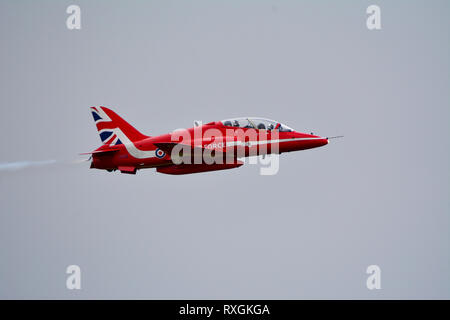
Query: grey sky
(378,196)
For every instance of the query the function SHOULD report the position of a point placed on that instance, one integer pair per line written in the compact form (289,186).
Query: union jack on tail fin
(113,130)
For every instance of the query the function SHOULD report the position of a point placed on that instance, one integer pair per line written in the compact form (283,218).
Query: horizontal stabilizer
(98,152)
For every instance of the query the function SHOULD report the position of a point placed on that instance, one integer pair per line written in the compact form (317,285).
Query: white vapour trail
(16,166)
(19,165)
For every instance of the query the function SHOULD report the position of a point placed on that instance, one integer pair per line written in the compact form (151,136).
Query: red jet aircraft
(213,146)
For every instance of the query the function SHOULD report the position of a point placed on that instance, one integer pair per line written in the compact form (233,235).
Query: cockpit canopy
(256,123)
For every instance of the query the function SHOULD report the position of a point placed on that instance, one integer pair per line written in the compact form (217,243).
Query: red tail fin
(113,130)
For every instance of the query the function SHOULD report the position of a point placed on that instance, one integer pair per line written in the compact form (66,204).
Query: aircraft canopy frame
(256,123)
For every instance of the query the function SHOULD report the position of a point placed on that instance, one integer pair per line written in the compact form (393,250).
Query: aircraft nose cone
(324,141)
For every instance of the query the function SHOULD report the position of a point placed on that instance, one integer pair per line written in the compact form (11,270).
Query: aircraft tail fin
(114,130)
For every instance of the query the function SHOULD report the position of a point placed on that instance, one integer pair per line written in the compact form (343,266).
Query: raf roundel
(159,153)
